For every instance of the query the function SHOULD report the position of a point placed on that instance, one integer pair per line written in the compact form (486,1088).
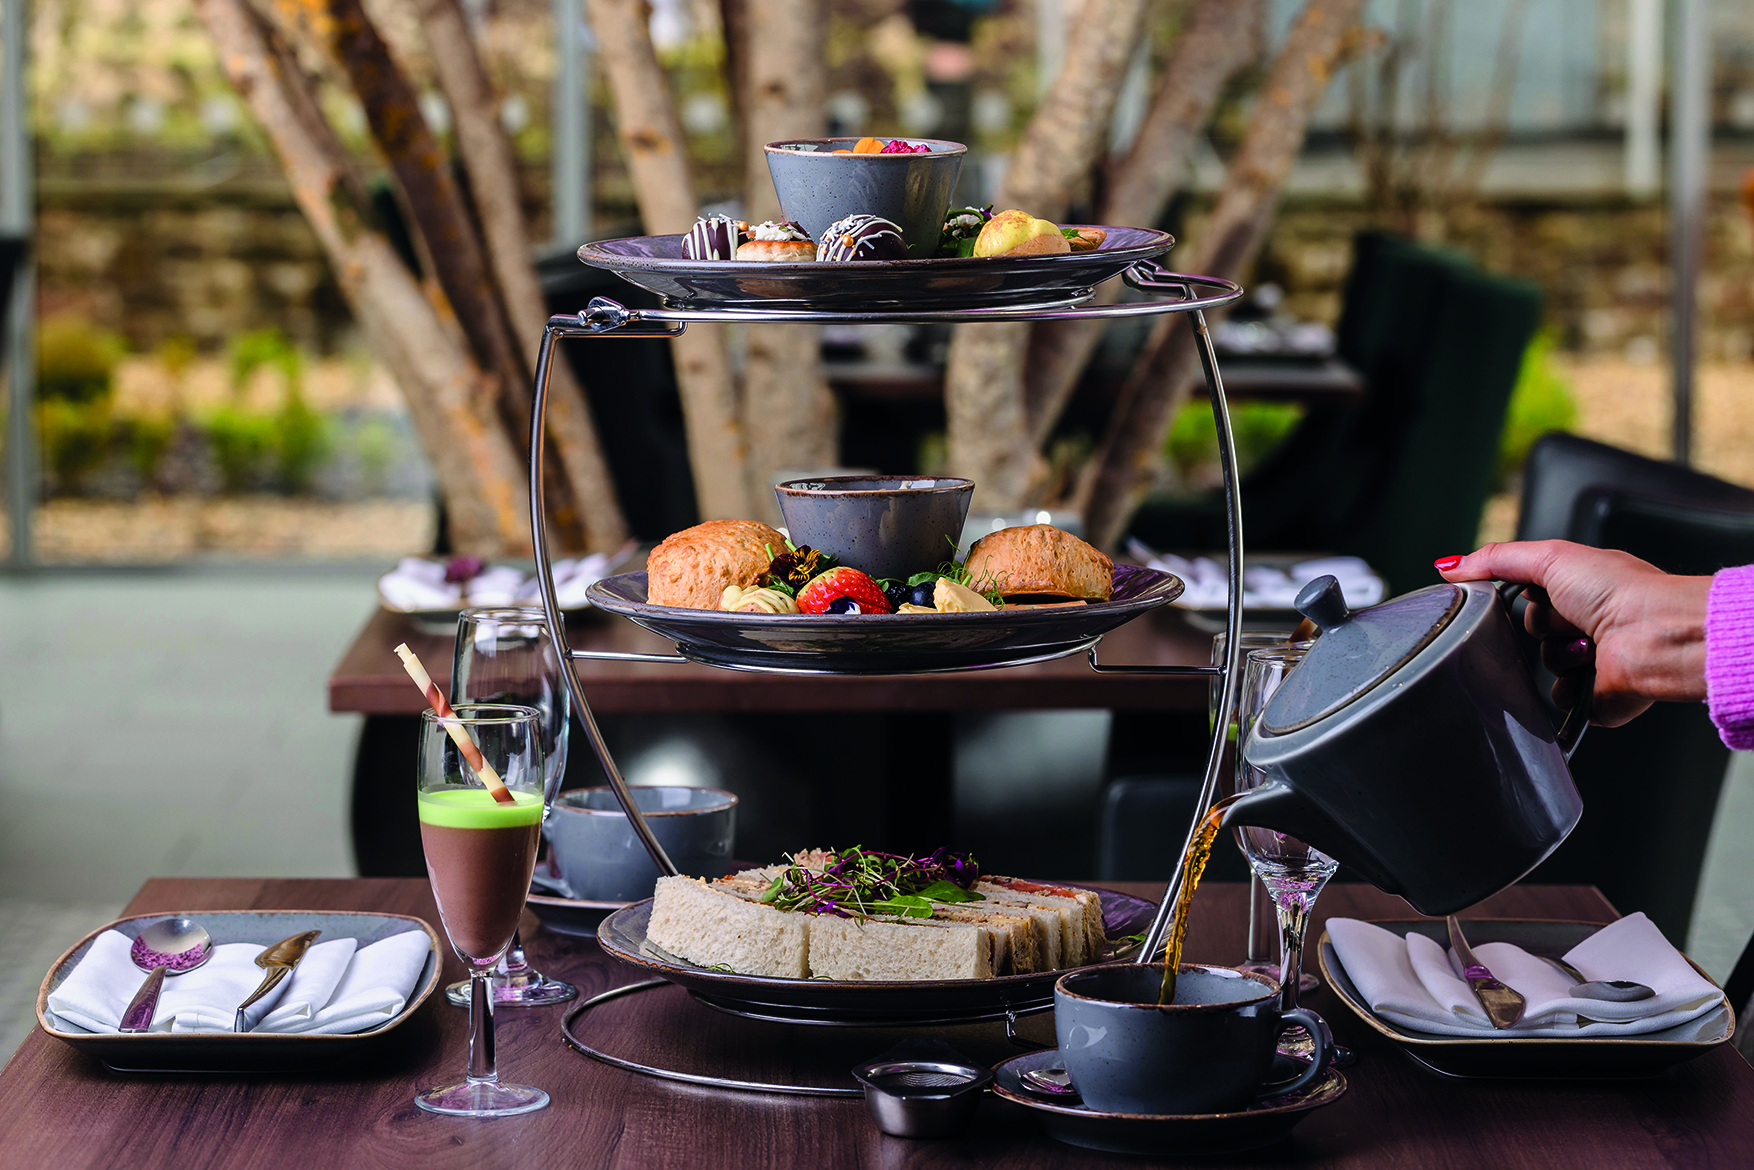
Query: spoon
(1606,990)
(170,946)
(1053,1082)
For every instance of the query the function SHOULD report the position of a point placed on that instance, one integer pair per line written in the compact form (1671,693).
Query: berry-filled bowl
(907,181)
(887,643)
(889,525)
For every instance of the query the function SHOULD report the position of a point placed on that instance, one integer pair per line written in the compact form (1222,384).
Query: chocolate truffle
(714,237)
(862,237)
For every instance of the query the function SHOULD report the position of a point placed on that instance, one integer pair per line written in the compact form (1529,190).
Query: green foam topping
(475,808)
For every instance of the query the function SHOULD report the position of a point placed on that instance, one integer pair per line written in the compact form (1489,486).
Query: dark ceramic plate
(227,1052)
(1532,1057)
(1077,1124)
(912,643)
(657,263)
(857,1003)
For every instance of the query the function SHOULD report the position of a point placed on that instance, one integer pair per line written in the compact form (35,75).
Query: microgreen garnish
(860,882)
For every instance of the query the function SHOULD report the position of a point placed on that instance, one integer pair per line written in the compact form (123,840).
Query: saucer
(560,914)
(1074,1123)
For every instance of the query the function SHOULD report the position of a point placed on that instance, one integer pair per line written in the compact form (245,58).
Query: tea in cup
(1208,1052)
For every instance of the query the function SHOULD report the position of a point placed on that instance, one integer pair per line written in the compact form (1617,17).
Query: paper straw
(459,734)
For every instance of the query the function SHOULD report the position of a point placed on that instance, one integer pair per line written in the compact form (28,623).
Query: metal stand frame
(1186,293)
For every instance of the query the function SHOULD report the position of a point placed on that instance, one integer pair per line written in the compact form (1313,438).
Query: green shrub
(1541,402)
(242,443)
(1259,427)
(76,361)
(251,351)
(76,437)
(301,444)
(147,439)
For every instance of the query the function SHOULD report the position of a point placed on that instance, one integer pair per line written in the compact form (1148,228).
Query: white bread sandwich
(714,927)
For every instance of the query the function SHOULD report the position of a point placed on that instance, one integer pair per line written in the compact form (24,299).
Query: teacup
(600,859)
(1208,1052)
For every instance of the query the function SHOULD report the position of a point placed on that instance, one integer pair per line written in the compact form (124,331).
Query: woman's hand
(1641,628)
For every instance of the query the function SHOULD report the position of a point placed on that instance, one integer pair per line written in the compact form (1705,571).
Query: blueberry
(844,605)
(922,594)
(898,594)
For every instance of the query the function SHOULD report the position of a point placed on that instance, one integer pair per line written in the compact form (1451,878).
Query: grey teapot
(1411,745)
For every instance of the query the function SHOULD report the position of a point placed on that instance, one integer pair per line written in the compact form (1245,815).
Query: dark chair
(1404,474)
(1144,821)
(1650,787)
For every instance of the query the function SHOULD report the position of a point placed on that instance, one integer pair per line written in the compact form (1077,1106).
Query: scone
(691,568)
(1039,559)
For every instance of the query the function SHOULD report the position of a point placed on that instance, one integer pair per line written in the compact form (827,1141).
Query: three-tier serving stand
(1166,291)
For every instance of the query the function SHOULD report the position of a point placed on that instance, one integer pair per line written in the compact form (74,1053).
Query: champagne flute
(1293,872)
(504,655)
(480,852)
(1262,957)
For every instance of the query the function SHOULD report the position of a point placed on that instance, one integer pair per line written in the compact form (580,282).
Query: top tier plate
(657,263)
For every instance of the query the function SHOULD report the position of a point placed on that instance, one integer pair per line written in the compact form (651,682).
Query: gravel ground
(173,528)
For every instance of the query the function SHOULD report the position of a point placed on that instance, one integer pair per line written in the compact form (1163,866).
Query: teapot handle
(1577,720)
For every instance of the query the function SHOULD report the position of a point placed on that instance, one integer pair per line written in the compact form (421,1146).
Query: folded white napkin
(335,987)
(417,583)
(1417,983)
(1207,582)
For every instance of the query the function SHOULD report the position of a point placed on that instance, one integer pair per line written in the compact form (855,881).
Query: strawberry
(826,588)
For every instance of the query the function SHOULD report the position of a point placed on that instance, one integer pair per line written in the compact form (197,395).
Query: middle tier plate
(855,1003)
(913,643)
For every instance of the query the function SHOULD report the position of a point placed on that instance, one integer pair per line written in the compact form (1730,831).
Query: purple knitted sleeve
(1729,655)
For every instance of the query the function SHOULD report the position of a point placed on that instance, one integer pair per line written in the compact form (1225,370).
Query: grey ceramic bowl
(818,187)
(885,525)
(600,860)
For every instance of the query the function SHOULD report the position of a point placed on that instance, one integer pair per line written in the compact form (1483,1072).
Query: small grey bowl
(818,187)
(884,525)
(922,1088)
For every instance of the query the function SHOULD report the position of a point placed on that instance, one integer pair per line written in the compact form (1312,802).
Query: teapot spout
(1276,806)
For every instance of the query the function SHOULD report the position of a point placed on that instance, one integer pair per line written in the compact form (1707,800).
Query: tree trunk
(487,155)
(990,438)
(1126,463)
(788,410)
(450,399)
(1218,38)
(651,138)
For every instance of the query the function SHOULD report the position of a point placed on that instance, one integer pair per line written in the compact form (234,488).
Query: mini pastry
(862,237)
(777,242)
(1018,233)
(714,237)
(691,568)
(736,599)
(1037,560)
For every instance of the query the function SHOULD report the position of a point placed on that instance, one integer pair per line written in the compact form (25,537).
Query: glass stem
(1261,912)
(514,962)
(1293,917)
(481,1062)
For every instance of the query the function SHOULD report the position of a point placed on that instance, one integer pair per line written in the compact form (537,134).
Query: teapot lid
(1357,649)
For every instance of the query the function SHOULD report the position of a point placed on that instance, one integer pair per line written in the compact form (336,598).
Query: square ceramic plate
(1532,1057)
(228,1052)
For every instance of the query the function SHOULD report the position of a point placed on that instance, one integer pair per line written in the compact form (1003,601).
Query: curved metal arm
(622,656)
(551,608)
(1154,937)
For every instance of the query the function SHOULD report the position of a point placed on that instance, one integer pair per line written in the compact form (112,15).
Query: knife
(278,960)
(1504,1006)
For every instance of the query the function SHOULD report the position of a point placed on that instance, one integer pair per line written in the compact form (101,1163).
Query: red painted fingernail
(1445,564)
(1578,648)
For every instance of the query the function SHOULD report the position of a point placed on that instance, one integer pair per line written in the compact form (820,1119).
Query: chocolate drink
(479,856)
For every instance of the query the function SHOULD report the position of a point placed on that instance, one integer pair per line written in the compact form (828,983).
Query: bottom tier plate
(862,1004)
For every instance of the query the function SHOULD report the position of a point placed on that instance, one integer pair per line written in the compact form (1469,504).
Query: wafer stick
(459,734)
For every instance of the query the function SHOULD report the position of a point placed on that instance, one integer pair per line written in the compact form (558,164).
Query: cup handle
(1324,1050)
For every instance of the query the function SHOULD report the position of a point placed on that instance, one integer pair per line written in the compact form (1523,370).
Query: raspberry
(826,588)
(897,146)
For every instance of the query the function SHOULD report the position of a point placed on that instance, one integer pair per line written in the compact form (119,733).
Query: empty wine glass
(1262,955)
(480,850)
(504,655)
(1293,872)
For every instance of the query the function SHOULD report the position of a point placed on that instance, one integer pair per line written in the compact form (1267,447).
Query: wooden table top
(66,1111)
(370,678)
